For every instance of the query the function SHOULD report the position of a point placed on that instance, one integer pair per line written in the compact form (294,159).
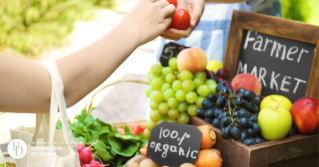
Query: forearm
(225,1)
(26,85)
(86,69)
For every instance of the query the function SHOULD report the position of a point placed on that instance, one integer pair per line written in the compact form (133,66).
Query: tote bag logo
(17,148)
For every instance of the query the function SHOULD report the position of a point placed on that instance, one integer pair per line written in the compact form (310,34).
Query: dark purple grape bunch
(234,113)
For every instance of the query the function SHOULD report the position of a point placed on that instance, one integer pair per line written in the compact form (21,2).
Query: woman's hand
(195,9)
(148,19)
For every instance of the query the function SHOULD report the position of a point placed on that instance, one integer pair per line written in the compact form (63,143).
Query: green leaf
(88,121)
(58,125)
(104,130)
(121,161)
(128,131)
(105,155)
(82,116)
(103,124)
(113,152)
(124,148)
(100,145)
(80,139)
(91,138)
(127,137)
(115,129)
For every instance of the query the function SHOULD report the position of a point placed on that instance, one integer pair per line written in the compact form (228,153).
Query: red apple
(248,82)
(192,59)
(304,113)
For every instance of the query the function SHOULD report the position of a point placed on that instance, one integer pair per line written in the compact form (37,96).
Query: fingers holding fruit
(194,9)
(147,20)
(169,37)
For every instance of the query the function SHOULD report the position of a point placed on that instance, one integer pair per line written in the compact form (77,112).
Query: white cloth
(45,134)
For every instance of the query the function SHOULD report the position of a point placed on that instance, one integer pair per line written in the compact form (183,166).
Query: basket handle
(120,80)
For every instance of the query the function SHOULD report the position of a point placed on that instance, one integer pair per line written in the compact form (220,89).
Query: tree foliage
(30,27)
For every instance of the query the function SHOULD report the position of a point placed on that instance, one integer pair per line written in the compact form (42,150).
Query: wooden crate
(295,151)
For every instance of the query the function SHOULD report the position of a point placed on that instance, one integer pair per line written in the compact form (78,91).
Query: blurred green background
(301,10)
(30,27)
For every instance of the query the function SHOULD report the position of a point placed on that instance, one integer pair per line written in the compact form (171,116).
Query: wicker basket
(119,124)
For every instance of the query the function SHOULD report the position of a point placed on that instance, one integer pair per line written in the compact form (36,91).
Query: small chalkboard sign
(281,53)
(172,144)
(170,50)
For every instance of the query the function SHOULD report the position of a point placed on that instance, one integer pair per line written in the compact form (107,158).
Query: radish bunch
(86,157)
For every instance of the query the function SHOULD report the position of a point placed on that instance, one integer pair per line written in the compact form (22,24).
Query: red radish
(86,154)
(136,129)
(120,130)
(94,164)
(97,164)
(80,147)
(86,165)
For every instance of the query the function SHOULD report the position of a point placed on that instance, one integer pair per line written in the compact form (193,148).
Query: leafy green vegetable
(112,147)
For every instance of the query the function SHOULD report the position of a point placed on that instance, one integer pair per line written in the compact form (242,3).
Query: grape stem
(228,97)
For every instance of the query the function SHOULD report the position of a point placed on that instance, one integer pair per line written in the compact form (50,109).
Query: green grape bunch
(176,95)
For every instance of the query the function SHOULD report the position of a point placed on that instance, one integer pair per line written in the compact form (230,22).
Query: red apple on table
(304,113)
(248,82)
(192,59)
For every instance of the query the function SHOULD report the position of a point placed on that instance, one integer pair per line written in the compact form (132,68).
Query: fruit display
(305,115)
(276,101)
(176,94)
(235,113)
(248,82)
(214,65)
(275,122)
(192,59)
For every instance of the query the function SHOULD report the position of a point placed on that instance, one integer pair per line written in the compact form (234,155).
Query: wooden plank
(275,26)
(303,161)
(233,47)
(286,148)
(313,86)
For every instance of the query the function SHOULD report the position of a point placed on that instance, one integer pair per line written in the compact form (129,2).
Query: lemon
(214,65)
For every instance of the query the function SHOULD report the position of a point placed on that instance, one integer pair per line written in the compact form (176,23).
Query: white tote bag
(48,147)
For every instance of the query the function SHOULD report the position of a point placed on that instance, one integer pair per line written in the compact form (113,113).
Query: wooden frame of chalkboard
(277,27)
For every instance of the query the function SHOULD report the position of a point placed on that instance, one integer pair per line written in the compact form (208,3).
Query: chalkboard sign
(172,144)
(170,50)
(283,54)
(283,66)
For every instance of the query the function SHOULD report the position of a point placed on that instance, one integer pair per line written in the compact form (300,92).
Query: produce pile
(235,113)
(176,91)
(242,114)
(104,140)
(191,86)
(207,157)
